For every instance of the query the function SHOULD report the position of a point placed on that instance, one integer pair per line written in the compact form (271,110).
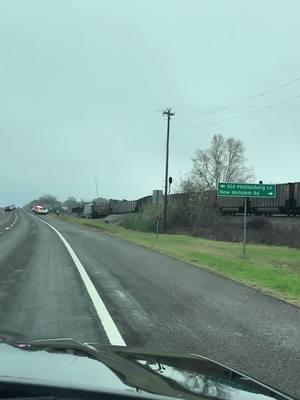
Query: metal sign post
(245,227)
(157,199)
(229,189)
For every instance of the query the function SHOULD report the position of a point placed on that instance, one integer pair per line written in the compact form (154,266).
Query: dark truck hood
(69,364)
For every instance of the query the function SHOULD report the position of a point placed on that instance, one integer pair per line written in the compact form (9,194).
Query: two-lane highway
(41,294)
(7,220)
(155,302)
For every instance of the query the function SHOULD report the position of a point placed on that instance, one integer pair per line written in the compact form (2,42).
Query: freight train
(105,208)
(286,202)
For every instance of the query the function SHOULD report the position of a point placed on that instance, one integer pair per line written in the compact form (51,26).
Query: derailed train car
(143,202)
(78,211)
(108,207)
(123,206)
(96,209)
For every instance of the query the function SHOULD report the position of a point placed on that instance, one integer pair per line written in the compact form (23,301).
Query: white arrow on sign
(270,194)
(223,186)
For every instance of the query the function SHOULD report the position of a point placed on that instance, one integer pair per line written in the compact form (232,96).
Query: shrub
(138,222)
(260,223)
(194,210)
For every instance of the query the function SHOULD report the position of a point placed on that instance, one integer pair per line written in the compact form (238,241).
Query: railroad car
(286,202)
(97,209)
(281,204)
(123,206)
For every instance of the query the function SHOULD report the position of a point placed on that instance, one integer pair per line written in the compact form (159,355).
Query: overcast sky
(83,83)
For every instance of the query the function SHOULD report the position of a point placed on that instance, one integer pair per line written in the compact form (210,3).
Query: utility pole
(170,183)
(96,184)
(169,115)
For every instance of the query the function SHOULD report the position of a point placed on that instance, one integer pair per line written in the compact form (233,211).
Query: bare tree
(223,161)
(198,206)
(47,200)
(70,202)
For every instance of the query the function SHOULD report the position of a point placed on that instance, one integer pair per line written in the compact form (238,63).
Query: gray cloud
(81,83)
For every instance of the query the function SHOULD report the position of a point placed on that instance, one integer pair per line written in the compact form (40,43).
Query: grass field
(272,269)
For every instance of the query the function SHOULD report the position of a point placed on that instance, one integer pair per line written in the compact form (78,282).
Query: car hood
(69,364)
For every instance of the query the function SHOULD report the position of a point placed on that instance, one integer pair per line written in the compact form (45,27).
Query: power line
(84,119)
(196,118)
(238,103)
(260,94)
(250,112)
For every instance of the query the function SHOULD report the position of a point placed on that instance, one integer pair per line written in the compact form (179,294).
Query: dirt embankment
(282,231)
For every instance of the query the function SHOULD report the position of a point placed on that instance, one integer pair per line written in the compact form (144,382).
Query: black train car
(101,209)
(296,200)
(143,202)
(123,206)
(231,205)
(78,211)
(283,203)
(287,202)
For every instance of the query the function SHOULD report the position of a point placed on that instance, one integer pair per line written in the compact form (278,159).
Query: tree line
(52,203)
(223,161)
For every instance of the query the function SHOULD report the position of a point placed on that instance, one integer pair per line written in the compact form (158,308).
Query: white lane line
(13,224)
(108,324)
(16,217)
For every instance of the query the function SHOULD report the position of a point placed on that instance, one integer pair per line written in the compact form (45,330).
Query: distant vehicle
(40,210)
(10,208)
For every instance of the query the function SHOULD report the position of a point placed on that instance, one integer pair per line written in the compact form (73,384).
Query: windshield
(150,184)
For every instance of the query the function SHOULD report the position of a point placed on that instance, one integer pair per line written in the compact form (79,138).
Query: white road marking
(13,224)
(108,324)
(16,216)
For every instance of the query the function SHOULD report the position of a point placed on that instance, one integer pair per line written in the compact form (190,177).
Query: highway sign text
(246,190)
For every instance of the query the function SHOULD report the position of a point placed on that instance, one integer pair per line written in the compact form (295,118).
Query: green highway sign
(246,190)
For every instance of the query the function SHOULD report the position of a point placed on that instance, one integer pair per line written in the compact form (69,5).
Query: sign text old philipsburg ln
(246,190)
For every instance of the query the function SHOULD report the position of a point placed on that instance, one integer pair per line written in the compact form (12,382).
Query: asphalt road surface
(7,218)
(116,291)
